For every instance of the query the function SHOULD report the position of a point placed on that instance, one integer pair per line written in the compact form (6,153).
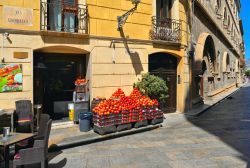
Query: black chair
(44,118)
(36,154)
(23,116)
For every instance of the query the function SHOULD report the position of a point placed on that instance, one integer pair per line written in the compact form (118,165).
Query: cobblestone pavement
(220,138)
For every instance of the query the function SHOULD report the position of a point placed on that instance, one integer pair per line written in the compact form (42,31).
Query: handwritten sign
(18,15)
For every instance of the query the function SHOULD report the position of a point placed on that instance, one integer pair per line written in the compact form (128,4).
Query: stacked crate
(125,120)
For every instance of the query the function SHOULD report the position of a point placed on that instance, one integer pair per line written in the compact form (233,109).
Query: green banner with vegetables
(11,78)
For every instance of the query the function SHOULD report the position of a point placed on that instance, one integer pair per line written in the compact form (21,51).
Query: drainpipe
(190,16)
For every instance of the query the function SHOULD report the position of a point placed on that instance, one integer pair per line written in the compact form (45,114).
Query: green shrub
(154,87)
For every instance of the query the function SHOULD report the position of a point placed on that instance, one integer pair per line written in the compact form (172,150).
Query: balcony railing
(166,29)
(63,16)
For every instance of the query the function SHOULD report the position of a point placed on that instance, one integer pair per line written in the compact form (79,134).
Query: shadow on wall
(134,56)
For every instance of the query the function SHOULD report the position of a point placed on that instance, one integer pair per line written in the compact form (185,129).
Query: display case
(80,98)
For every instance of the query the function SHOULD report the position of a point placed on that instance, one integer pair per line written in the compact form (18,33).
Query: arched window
(225,62)
(218,3)
(218,7)
(232,28)
(225,13)
(225,17)
(229,21)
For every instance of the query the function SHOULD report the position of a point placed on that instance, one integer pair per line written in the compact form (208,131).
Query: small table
(12,139)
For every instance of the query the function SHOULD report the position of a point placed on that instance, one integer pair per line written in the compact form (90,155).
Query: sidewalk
(210,103)
(68,135)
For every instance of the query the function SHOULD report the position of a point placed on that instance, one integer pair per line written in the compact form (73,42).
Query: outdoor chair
(23,116)
(36,154)
(44,118)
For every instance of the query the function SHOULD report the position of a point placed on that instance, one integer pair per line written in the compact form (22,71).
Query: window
(163,8)
(218,4)
(218,61)
(232,31)
(225,17)
(229,21)
(218,7)
(227,64)
(63,15)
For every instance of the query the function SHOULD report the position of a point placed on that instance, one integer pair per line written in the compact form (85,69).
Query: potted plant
(154,87)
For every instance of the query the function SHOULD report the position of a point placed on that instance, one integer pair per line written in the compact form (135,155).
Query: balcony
(166,29)
(64,16)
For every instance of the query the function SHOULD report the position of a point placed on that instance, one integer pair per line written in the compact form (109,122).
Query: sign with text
(18,15)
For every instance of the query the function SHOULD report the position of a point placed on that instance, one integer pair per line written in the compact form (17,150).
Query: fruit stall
(121,112)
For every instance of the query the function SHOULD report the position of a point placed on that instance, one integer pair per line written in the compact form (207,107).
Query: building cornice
(207,15)
(87,36)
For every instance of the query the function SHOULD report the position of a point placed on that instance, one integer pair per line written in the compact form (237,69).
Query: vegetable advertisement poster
(11,78)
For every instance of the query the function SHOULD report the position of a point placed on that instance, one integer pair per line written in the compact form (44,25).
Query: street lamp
(122,19)
(5,36)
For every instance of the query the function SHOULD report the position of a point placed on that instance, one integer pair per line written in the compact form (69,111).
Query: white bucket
(71,106)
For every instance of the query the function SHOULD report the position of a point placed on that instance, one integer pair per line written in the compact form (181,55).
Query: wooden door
(171,80)
(165,66)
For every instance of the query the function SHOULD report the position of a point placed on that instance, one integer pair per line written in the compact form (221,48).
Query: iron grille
(64,16)
(166,29)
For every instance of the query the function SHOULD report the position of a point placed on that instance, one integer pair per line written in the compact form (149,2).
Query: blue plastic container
(85,119)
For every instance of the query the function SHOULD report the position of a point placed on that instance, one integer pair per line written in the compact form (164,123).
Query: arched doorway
(165,66)
(208,67)
(203,68)
(55,69)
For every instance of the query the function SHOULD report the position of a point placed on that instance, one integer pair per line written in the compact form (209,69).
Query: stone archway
(204,66)
(205,46)
(61,49)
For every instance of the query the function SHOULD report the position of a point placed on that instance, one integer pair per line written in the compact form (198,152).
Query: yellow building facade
(85,34)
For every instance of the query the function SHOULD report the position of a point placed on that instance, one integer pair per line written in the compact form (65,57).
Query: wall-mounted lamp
(122,19)
(5,36)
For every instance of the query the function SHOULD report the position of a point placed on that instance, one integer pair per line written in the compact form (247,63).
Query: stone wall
(223,43)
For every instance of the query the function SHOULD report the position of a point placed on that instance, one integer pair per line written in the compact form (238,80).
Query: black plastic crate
(123,127)
(104,130)
(156,121)
(139,124)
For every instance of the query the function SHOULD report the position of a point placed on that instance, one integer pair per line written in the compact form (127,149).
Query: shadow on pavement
(60,163)
(230,122)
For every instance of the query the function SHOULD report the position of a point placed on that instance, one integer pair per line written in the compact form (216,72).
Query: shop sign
(11,78)
(18,15)
(21,55)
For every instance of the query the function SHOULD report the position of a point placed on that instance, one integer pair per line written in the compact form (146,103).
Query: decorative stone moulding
(227,72)
(210,78)
(215,73)
(219,16)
